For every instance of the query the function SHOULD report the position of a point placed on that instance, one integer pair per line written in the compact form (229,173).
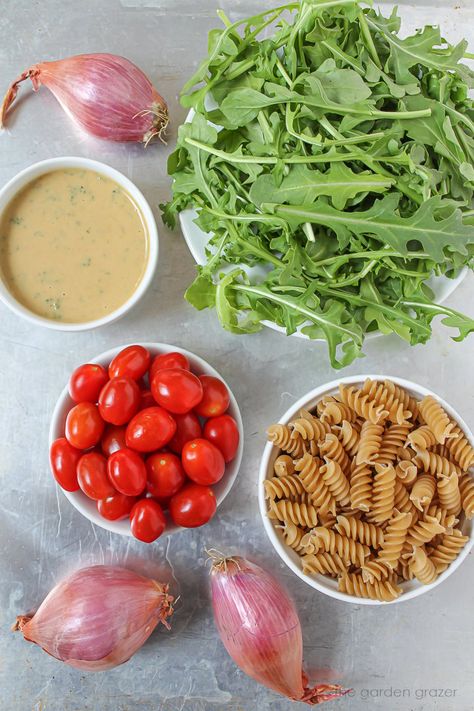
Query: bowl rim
(33,171)
(64,402)
(318,583)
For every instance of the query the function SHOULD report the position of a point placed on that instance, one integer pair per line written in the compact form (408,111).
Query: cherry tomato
(63,459)
(86,382)
(202,461)
(147,520)
(150,429)
(224,433)
(132,362)
(187,427)
(176,389)
(146,399)
(168,360)
(84,425)
(193,506)
(165,475)
(127,472)
(113,439)
(92,476)
(116,507)
(215,397)
(119,400)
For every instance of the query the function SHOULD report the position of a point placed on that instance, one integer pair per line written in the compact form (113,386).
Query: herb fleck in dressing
(73,246)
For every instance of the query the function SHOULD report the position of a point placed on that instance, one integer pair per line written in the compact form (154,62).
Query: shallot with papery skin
(259,626)
(98,617)
(106,95)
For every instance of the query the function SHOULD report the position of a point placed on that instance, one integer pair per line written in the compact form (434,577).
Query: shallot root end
(323,692)
(20,622)
(12,91)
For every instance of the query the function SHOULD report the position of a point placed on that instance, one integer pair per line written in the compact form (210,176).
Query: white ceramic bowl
(86,506)
(8,192)
(324,584)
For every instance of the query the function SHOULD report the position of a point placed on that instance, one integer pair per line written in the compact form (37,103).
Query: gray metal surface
(416,655)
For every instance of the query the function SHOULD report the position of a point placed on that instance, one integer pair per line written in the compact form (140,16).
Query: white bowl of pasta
(366,489)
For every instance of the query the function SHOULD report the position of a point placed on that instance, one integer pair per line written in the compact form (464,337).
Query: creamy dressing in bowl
(73,245)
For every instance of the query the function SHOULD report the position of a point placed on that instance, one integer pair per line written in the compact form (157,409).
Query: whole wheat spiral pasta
(353,584)
(459,448)
(466,486)
(436,465)
(281,437)
(364,491)
(448,550)
(387,398)
(324,563)
(393,438)
(300,514)
(407,472)
(436,419)
(331,448)
(362,404)
(335,412)
(336,481)
(383,494)
(283,465)
(349,437)
(351,551)
(310,429)
(309,469)
(361,487)
(421,438)
(366,533)
(423,491)
(394,539)
(283,487)
(292,535)
(424,530)
(421,566)
(449,494)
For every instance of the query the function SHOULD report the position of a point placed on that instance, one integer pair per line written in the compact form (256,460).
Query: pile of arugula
(342,162)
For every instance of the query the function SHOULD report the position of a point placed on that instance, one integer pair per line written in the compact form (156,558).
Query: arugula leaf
(303,185)
(337,176)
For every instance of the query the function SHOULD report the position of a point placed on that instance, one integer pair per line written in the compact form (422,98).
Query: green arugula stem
(294,304)
(368,39)
(381,253)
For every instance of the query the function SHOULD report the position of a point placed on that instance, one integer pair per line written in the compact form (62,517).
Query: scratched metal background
(424,644)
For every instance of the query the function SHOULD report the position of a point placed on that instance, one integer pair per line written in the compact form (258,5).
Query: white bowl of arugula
(332,185)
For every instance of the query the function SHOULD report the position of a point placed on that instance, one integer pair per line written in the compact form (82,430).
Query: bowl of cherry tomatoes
(146,440)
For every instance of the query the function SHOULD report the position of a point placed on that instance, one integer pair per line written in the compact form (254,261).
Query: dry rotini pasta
(435,464)
(300,514)
(283,465)
(387,398)
(436,419)
(421,566)
(369,443)
(324,563)
(336,481)
(421,438)
(361,487)
(383,493)
(362,404)
(349,436)
(331,448)
(447,550)
(393,438)
(449,494)
(372,488)
(366,533)
(423,491)
(281,437)
(309,469)
(466,486)
(335,412)
(352,552)
(384,590)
